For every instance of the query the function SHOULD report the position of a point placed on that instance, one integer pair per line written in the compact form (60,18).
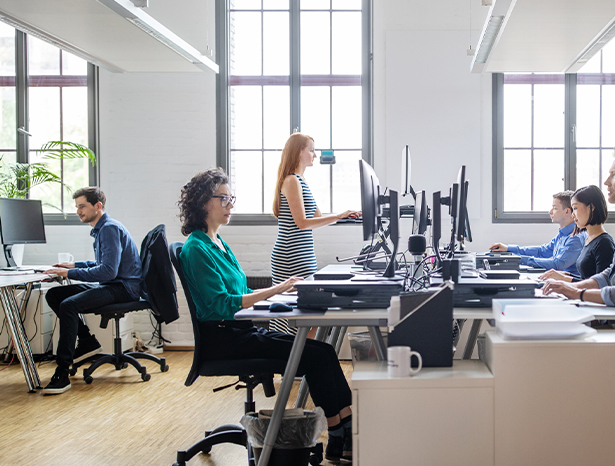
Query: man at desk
(116,269)
(561,252)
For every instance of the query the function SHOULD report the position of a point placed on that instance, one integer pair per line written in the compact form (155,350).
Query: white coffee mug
(399,361)
(65,257)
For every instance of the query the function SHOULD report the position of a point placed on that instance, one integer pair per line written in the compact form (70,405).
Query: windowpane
(315,4)
(246,124)
(276,124)
(346,189)
(592,66)
(275,4)
(44,115)
(549,115)
(588,116)
(75,114)
(346,117)
(517,115)
(346,4)
(7,50)
(8,122)
(588,167)
(246,44)
(608,57)
(73,65)
(271,163)
(49,193)
(43,58)
(346,43)
(75,174)
(316,114)
(276,54)
(315,43)
(318,178)
(608,116)
(548,177)
(247,4)
(247,183)
(517,182)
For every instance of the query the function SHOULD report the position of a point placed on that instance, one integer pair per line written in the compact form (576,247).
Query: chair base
(227,433)
(120,361)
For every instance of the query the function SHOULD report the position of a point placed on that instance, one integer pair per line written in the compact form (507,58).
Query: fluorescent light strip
(59,43)
(594,47)
(488,39)
(149,25)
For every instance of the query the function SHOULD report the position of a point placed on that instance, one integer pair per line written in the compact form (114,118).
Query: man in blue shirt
(561,252)
(116,273)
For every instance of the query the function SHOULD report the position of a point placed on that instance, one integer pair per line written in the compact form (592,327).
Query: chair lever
(217,389)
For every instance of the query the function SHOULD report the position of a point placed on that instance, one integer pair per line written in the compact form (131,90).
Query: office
(158,129)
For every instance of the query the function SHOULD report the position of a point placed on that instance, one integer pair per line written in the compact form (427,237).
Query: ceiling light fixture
(498,15)
(149,25)
(594,47)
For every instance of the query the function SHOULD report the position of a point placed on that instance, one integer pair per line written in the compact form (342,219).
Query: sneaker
(59,383)
(335,449)
(85,349)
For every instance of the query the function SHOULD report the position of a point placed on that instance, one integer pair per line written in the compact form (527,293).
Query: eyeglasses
(224,200)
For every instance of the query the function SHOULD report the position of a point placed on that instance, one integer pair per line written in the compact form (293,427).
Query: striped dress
(293,253)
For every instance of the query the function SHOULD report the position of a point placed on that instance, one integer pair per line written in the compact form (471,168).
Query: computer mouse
(280,307)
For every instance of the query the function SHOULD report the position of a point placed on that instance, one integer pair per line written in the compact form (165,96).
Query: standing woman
(590,212)
(297,213)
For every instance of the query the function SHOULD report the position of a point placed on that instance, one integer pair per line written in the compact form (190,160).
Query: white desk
(12,312)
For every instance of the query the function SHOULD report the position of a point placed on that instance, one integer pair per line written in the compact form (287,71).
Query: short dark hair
(93,194)
(195,194)
(592,197)
(565,198)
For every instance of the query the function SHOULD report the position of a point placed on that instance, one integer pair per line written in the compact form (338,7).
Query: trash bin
(298,434)
(361,347)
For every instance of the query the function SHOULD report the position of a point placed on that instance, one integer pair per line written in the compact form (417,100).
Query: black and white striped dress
(293,253)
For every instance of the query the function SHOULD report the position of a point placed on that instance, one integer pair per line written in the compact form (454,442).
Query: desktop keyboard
(350,220)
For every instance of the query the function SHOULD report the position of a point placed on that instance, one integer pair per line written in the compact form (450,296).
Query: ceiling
(544,35)
(94,31)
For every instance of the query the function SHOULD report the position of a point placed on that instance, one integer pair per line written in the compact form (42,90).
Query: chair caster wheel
(125,365)
(72,372)
(145,377)
(206,450)
(88,379)
(164,368)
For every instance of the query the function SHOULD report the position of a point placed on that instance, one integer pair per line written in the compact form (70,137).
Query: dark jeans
(328,386)
(69,301)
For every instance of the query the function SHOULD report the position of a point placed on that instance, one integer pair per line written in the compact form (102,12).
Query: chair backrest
(175,250)
(158,285)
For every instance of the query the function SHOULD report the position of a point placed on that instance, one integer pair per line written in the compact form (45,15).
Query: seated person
(599,288)
(561,252)
(218,287)
(116,269)
(590,213)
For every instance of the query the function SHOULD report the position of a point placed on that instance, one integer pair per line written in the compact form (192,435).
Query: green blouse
(215,278)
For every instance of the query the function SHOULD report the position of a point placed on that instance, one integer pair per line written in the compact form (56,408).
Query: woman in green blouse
(218,287)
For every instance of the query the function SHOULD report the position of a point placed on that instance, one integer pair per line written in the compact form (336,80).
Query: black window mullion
(570,143)
(295,65)
(22,93)
(532,149)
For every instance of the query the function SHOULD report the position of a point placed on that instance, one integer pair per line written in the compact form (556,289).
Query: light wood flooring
(120,420)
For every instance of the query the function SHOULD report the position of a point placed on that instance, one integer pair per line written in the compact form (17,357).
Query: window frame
(223,135)
(22,109)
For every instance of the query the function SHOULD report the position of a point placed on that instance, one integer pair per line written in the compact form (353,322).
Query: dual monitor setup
(377,205)
(21,222)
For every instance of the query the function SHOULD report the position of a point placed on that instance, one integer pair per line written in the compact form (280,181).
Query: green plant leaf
(57,150)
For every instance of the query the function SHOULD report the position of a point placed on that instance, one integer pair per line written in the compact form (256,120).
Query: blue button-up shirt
(560,253)
(117,258)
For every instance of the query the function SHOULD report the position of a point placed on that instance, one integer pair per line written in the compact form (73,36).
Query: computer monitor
(371,200)
(406,172)
(421,214)
(462,198)
(436,225)
(21,222)
(467,234)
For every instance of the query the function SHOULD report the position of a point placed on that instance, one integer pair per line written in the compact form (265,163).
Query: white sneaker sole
(55,391)
(87,355)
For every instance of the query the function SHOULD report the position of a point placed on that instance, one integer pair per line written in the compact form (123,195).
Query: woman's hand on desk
(65,265)
(557,286)
(556,275)
(287,284)
(349,213)
(61,271)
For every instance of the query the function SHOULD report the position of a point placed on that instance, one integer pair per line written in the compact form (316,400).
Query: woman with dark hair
(590,213)
(297,213)
(218,287)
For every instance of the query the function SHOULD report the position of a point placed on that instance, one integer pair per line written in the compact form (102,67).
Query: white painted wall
(157,130)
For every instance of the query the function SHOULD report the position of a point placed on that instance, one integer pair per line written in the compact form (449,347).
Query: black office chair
(119,359)
(250,372)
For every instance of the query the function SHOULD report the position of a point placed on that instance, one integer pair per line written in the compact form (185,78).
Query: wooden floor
(120,420)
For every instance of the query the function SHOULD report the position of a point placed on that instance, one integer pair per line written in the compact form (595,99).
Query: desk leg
(471,343)
(11,312)
(378,341)
(280,402)
(321,334)
(340,340)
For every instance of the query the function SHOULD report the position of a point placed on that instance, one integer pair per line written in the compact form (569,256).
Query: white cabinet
(440,416)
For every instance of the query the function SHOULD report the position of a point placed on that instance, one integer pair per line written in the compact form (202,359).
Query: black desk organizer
(426,325)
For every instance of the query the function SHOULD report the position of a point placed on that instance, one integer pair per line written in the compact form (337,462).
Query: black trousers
(69,301)
(240,340)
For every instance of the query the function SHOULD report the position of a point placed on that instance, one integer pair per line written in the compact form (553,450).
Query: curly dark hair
(195,194)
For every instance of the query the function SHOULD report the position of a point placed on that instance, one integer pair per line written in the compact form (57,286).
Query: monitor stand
(8,254)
